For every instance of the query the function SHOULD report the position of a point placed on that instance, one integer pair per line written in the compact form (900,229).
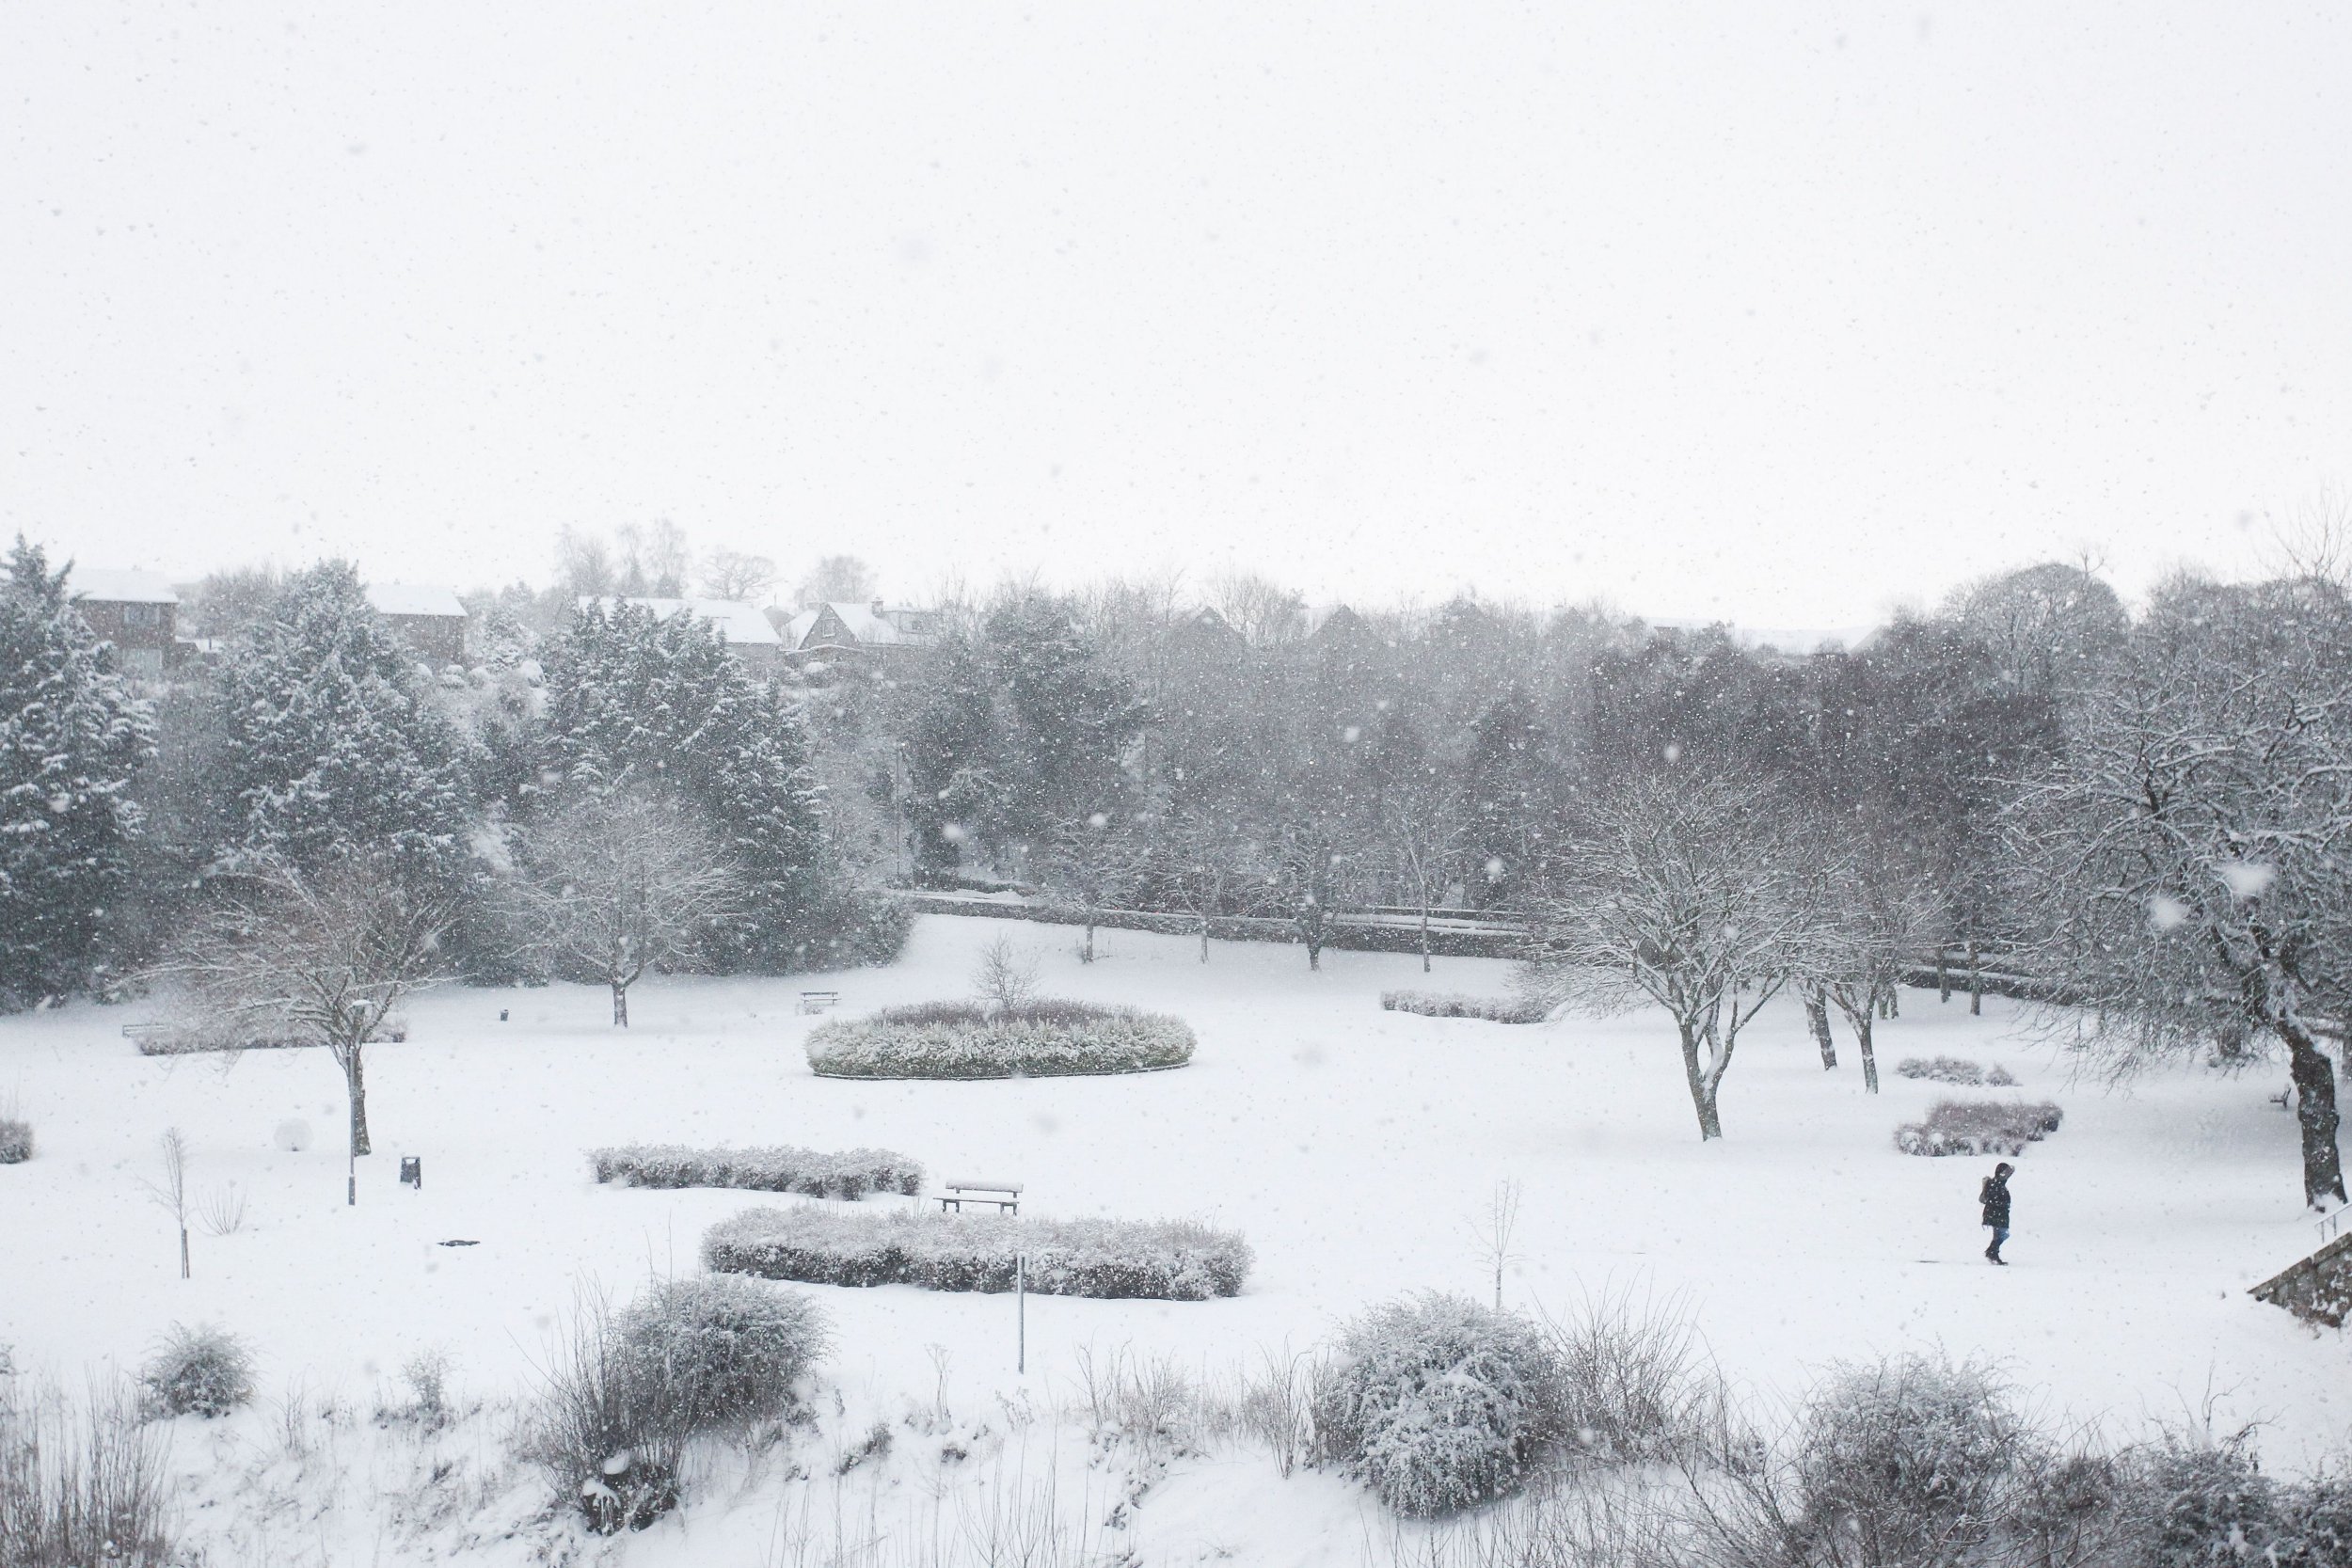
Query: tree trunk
(1314,952)
(1424,939)
(355,1085)
(1817,1014)
(183,1251)
(2315,1078)
(620,1003)
(1702,1092)
(1943,973)
(1976,981)
(1869,1055)
(1086,954)
(1204,939)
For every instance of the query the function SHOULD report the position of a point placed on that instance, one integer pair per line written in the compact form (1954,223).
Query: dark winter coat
(1994,1195)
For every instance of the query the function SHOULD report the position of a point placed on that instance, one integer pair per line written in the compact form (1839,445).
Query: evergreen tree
(332,744)
(636,702)
(1064,720)
(950,783)
(1503,794)
(70,737)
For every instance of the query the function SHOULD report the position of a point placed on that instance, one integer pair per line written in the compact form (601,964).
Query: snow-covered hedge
(726,1350)
(1118,1259)
(1441,1004)
(777,1169)
(1979,1127)
(1954,1070)
(1439,1404)
(16,1141)
(960,1039)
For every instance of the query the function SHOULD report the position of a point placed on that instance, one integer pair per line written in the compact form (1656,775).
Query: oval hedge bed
(1114,1259)
(961,1040)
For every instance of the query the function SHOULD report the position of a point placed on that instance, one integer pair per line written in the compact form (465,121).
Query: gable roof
(119,587)
(415,598)
(743,625)
(864,626)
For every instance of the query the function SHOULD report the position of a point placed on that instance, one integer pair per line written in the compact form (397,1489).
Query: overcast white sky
(1782,313)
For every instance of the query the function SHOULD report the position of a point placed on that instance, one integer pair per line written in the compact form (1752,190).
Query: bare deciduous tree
(170,1191)
(1685,891)
(1093,867)
(2189,862)
(737,575)
(1006,975)
(321,956)
(615,885)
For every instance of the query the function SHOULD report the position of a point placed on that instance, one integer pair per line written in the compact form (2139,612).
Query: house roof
(415,598)
(867,626)
(742,624)
(1784,640)
(118,587)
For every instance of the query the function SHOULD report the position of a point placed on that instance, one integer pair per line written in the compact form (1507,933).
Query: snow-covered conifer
(70,737)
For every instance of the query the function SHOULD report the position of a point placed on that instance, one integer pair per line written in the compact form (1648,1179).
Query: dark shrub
(79,1485)
(1979,1127)
(1438,1403)
(16,1141)
(198,1371)
(605,1429)
(1167,1260)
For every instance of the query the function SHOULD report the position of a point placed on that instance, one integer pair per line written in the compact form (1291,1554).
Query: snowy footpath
(1358,1149)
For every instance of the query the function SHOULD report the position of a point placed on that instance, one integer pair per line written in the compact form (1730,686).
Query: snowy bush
(725,1349)
(605,1429)
(961,1040)
(16,1140)
(775,1169)
(1910,1460)
(1437,1003)
(198,1371)
(1166,1261)
(2199,1501)
(1979,1127)
(1954,1070)
(1628,1388)
(1438,1403)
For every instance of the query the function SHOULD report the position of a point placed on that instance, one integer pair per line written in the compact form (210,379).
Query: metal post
(1020,1310)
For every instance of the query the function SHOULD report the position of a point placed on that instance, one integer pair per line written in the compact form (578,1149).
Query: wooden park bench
(1005,1195)
(820,1001)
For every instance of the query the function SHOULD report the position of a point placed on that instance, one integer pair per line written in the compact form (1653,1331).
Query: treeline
(315,743)
(2151,815)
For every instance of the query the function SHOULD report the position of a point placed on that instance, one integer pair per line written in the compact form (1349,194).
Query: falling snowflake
(2165,913)
(2247,879)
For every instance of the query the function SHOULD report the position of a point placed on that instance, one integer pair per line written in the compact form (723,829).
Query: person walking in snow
(1994,1195)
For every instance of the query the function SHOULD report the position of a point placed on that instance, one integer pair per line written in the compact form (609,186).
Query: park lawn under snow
(1356,1149)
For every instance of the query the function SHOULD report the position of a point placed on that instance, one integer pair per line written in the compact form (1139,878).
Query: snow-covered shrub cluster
(629,1389)
(1162,1259)
(1439,1404)
(2193,1502)
(79,1484)
(1979,1127)
(963,1040)
(1907,1456)
(205,1370)
(1954,1070)
(1438,1004)
(16,1140)
(1629,1389)
(727,1350)
(777,1168)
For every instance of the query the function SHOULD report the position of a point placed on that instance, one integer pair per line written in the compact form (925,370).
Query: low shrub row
(961,1040)
(1438,1004)
(1118,1259)
(776,1169)
(1954,1070)
(16,1140)
(1979,1127)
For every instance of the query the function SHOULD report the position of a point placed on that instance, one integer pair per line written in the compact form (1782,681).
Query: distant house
(430,619)
(1206,629)
(746,630)
(136,612)
(827,632)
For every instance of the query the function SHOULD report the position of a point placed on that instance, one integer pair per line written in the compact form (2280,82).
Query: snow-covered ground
(1357,1148)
